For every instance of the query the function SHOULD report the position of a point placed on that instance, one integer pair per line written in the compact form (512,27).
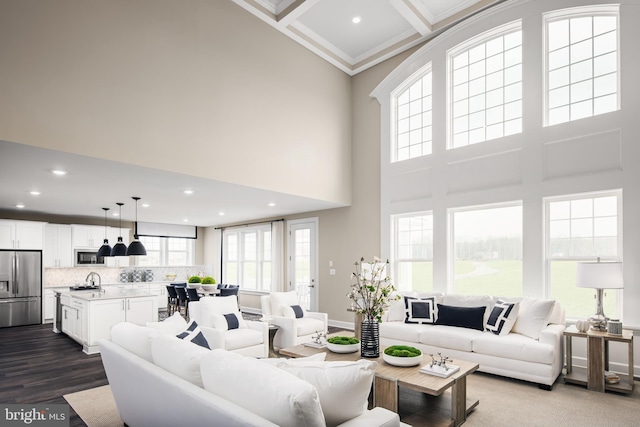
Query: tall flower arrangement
(371,289)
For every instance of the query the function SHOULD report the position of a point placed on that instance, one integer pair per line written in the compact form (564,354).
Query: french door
(302,252)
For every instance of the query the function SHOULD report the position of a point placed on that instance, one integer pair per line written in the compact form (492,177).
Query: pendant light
(105,249)
(136,247)
(119,249)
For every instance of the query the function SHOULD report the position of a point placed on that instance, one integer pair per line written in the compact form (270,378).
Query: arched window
(485,86)
(581,63)
(411,117)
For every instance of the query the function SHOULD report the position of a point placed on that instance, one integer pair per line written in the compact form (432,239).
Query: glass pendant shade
(105,249)
(136,247)
(119,249)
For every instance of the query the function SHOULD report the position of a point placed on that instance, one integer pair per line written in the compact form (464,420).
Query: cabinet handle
(65,315)
(128,304)
(77,314)
(123,309)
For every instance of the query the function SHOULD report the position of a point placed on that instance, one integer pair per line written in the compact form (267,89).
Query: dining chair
(172,299)
(192,294)
(183,299)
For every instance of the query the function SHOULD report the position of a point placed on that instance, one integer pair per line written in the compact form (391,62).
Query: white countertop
(95,295)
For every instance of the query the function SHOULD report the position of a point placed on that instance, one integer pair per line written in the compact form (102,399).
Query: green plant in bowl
(343,340)
(402,351)
(195,279)
(208,280)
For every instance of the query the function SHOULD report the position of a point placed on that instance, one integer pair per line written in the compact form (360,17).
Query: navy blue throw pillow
(232,321)
(194,334)
(462,317)
(298,311)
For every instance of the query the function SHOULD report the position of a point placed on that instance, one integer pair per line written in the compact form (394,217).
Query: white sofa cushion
(502,317)
(134,338)
(181,358)
(514,346)
(396,310)
(343,386)
(533,316)
(308,325)
(280,299)
(173,324)
(275,361)
(451,337)
(241,338)
(401,331)
(289,402)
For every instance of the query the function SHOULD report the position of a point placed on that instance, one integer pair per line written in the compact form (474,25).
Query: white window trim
(575,12)
(239,231)
(466,45)
(394,238)
(164,252)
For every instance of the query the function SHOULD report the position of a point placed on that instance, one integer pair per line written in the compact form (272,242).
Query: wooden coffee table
(389,379)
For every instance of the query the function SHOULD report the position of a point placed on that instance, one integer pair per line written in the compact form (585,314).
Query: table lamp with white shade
(600,276)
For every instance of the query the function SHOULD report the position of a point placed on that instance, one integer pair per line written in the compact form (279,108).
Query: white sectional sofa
(523,342)
(158,379)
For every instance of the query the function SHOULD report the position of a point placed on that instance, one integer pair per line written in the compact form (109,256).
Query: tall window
(487,250)
(413,251)
(412,104)
(247,257)
(582,228)
(581,63)
(168,251)
(485,81)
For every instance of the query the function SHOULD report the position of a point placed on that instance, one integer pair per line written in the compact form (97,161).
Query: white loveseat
(529,348)
(158,379)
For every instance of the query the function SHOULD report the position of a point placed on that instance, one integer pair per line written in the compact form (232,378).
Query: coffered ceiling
(383,29)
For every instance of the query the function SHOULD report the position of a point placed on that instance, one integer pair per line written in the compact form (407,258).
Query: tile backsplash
(58,277)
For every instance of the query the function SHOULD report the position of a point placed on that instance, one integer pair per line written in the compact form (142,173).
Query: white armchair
(222,325)
(293,330)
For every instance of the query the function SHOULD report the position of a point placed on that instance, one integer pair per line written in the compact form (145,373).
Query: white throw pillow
(275,361)
(134,338)
(171,325)
(265,390)
(502,317)
(343,386)
(279,299)
(218,305)
(533,316)
(194,335)
(181,358)
(225,322)
(293,311)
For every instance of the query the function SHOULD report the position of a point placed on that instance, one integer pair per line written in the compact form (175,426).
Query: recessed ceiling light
(19,206)
(115,214)
(221,213)
(34,193)
(188,191)
(186,220)
(271,204)
(356,20)
(59,172)
(145,205)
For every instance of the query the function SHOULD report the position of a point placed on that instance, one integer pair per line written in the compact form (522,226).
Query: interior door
(302,252)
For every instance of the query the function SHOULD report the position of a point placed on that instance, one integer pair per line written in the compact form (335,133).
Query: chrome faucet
(92,275)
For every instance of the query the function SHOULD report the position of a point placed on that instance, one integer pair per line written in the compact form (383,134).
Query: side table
(272,333)
(357,322)
(598,360)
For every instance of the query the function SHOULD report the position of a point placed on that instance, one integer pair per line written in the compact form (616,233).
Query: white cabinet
(160,290)
(74,319)
(21,234)
(58,251)
(87,236)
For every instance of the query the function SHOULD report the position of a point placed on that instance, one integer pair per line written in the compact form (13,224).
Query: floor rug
(96,407)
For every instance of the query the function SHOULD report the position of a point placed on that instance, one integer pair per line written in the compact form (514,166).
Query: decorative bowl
(171,276)
(209,288)
(345,347)
(402,360)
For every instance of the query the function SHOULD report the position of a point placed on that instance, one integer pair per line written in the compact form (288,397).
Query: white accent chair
(250,338)
(293,331)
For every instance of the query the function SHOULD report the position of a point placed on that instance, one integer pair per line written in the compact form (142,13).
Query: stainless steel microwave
(84,257)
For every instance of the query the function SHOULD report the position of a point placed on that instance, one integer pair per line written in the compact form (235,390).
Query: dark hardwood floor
(39,366)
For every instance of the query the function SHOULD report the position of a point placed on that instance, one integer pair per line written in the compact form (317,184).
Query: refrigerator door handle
(14,275)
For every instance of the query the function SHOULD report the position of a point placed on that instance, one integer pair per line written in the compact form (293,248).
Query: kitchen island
(88,316)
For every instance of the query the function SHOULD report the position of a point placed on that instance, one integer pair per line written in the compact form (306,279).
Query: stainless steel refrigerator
(20,288)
